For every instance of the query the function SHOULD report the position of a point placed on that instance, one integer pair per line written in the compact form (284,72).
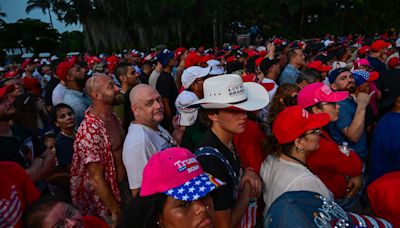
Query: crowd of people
(291,134)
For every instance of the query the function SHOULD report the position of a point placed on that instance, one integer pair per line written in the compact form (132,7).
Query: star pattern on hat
(194,189)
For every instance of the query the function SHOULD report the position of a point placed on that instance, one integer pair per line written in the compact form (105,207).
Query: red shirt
(92,145)
(16,193)
(332,166)
(249,146)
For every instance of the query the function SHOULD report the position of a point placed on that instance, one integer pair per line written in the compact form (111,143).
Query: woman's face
(185,214)
(310,140)
(332,108)
(65,118)
(63,215)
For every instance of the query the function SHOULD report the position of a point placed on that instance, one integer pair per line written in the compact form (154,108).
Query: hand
(115,218)
(254,180)
(362,99)
(354,186)
(175,124)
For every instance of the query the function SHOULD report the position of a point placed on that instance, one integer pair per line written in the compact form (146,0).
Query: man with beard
(19,145)
(350,125)
(74,77)
(97,170)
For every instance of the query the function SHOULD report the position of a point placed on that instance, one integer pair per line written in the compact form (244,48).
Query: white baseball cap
(187,116)
(216,68)
(229,91)
(192,73)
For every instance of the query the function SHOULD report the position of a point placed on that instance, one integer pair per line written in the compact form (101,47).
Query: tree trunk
(51,20)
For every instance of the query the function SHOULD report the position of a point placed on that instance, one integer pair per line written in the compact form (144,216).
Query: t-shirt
(193,135)
(346,114)
(280,176)
(223,197)
(79,102)
(154,78)
(58,94)
(332,166)
(16,193)
(64,149)
(379,66)
(140,144)
(385,155)
(289,74)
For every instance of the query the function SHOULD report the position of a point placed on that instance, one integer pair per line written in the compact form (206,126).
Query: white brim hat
(229,91)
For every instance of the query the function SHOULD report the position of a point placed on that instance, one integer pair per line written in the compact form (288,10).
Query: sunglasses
(317,131)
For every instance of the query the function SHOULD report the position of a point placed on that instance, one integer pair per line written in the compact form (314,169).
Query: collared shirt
(347,112)
(79,102)
(289,74)
(92,145)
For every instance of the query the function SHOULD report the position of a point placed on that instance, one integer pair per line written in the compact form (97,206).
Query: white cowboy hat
(229,91)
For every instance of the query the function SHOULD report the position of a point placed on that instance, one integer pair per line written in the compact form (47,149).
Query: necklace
(69,136)
(298,160)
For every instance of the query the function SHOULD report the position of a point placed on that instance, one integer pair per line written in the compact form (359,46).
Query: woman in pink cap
(340,171)
(175,193)
(297,134)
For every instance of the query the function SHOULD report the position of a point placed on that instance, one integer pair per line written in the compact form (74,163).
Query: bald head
(140,91)
(94,82)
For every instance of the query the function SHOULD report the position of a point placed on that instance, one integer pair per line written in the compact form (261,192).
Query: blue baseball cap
(333,75)
(164,56)
(310,209)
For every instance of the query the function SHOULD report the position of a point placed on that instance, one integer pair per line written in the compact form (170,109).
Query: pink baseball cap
(177,173)
(319,92)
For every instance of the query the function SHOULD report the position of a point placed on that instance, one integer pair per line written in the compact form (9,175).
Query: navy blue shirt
(347,111)
(385,155)
(64,149)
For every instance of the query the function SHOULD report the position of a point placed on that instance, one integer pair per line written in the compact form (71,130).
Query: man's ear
(333,86)
(299,144)
(213,117)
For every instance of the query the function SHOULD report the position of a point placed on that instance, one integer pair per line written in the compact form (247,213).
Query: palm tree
(44,5)
(2,14)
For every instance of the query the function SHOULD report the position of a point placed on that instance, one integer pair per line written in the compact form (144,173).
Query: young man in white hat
(226,102)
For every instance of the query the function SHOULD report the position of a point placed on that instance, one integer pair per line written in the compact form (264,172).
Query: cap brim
(317,121)
(196,188)
(338,96)
(6,90)
(373,76)
(187,119)
(257,98)
(326,68)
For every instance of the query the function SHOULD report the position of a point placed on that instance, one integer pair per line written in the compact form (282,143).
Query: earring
(207,207)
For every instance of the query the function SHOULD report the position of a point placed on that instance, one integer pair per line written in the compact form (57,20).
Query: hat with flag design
(177,173)
(361,76)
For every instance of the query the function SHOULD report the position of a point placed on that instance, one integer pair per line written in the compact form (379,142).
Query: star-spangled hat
(177,173)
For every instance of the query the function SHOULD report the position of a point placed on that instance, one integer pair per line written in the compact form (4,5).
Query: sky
(15,10)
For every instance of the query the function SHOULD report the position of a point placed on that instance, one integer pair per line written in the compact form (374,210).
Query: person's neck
(153,126)
(28,74)
(5,129)
(74,86)
(168,69)
(101,110)
(295,65)
(124,88)
(271,76)
(301,156)
(224,136)
(68,132)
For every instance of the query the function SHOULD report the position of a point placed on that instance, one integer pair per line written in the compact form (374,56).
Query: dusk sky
(15,10)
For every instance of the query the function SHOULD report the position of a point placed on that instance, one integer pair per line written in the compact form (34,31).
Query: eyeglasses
(317,131)
(69,214)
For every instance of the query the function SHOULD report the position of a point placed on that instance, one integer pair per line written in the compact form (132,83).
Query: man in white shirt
(145,136)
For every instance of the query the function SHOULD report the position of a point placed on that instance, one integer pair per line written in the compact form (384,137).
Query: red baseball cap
(64,67)
(319,92)
(294,121)
(319,66)
(364,49)
(10,74)
(258,61)
(6,90)
(393,62)
(383,194)
(379,45)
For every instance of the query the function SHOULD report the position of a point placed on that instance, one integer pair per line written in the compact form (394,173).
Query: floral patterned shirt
(92,145)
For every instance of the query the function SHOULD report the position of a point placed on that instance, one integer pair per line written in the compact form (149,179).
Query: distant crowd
(298,133)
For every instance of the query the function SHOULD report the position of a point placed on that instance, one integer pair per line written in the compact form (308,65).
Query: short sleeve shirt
(92,145)
(346,114)
(140,144)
